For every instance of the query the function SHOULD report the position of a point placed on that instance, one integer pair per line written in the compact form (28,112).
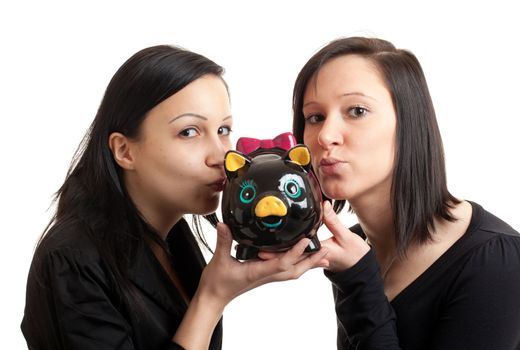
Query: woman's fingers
(346,249)
(296,251)
(293,263)
(297,269)
(230,277)
(331,220)
(227,277)
(317,259)
(264,255)
(224,241)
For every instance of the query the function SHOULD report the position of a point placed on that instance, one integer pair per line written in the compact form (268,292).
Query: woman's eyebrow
(355,93)
(188,115)
(195,115)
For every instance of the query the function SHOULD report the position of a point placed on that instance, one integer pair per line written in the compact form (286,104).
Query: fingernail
(327,207)
(324,264)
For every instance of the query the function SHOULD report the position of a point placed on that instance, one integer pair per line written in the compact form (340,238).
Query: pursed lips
(329,166)
(218,185)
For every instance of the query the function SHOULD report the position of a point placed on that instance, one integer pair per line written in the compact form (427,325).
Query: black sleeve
(482,310)
(72,308)
(366,319)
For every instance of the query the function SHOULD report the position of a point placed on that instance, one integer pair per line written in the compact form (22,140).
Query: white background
(56,59)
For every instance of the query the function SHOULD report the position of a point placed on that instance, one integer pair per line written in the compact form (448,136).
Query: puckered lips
(330,166)
(218,185)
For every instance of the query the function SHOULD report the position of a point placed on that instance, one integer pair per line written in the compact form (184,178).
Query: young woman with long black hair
(118,266)
(422,269)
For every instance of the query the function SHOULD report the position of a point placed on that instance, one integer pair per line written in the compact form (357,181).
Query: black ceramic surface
(271,200)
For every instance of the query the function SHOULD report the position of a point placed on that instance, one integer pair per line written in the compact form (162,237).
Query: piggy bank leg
(246,252)
(314,245)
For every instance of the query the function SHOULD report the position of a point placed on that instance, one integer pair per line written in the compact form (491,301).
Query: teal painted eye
(292,189)
(248,192)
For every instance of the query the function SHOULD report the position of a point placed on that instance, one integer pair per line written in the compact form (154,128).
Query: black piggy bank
(271,199)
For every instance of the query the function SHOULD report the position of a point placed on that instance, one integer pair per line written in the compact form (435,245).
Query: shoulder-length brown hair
(419,193)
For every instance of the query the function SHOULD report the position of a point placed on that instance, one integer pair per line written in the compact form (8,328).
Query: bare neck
(161,217)
(376,220)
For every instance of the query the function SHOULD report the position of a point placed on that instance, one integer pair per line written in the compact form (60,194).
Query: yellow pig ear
(233,162)
(300,155)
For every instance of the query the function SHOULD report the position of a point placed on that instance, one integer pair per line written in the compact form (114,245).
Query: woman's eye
(314,118)
(224,130)
(357,112)
(189,132)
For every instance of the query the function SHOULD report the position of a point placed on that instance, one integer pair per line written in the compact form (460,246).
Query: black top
(468,299)
(71,302)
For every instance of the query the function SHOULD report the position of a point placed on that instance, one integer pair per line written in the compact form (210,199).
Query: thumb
(224,240)
(331,220)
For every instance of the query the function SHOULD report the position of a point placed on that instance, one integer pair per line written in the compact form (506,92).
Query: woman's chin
(209,207)
(335,193)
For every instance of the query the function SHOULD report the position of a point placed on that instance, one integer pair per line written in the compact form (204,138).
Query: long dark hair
(93,193)
(419,191)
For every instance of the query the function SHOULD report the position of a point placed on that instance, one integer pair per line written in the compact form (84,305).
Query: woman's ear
(121,150)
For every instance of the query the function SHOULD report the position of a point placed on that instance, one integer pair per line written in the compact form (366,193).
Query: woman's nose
(330,133)
(217,152)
